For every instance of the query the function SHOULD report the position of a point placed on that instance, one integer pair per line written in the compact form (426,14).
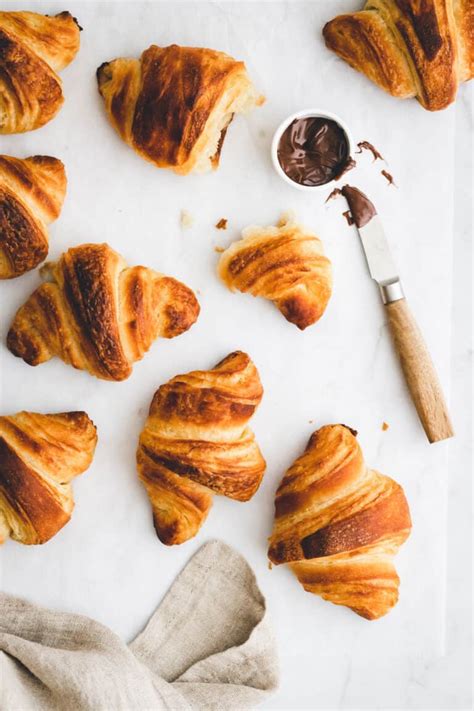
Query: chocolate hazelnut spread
(389,177)
(361,210)
(348,216)
(367,146)
(314,150)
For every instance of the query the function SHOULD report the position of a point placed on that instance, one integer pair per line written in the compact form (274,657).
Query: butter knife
(417,366)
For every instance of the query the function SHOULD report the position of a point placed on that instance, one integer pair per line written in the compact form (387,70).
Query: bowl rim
(305,113)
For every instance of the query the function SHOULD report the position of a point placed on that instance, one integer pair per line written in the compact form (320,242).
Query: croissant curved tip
(80,419)
(103,73)
(352,431)
(171,534)
(66,15)
(22,346)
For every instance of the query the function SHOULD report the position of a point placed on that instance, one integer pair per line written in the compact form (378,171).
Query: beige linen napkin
(207,646)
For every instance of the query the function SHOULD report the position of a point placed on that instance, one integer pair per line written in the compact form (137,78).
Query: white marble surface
(107,562)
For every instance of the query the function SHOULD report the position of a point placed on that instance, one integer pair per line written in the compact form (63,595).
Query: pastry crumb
(385,426)
(287,217)
(186,219)
(219,250)
(222,224)
(310,422)
(270,566)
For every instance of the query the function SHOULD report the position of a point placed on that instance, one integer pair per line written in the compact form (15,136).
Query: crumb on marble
(270,566)
(222,224)
(287,217)
(218,249)
(186,219)
(385,426)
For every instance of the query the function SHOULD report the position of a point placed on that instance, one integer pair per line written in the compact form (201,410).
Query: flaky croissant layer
(285,264)
(31,196)
(39,457)
(409,48)
(99,315)
(33,48)
(173,106)
(196,442)
(339,524)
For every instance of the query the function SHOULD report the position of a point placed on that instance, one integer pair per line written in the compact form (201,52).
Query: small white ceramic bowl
(316,113)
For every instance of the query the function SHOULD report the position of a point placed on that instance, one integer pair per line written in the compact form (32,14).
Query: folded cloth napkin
(207,646)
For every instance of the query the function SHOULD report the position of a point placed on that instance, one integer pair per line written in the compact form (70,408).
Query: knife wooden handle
(419,372)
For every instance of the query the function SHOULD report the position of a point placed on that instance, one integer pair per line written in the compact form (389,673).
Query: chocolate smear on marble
(333,194)
(389,177)
(347,214)
(367,146)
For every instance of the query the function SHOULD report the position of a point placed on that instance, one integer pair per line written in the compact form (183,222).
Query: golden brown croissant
(31,196)
(173,106)
(339,524)
(39,457)
(422,48)
(285,264)
(33,48)
(98,314)
(196,441)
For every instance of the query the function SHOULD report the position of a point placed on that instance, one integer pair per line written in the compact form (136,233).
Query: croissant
(409,48)
(173,106)
(196,441)
(33,48)
(339,524)
(31,196)
(39,457)
(285,264)
(99,315)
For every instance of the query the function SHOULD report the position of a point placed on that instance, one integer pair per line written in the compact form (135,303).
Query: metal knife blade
(382,268)
(418,368)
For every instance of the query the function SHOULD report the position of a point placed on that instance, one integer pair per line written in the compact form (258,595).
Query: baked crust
(285,264)
(173,105)
(99,315)
(31,196)
(39,457)
(196,442)
(409,48)
(33,48)
(339,524)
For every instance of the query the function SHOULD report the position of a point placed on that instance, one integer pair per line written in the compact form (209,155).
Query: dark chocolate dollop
(314,150)
(362,210)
